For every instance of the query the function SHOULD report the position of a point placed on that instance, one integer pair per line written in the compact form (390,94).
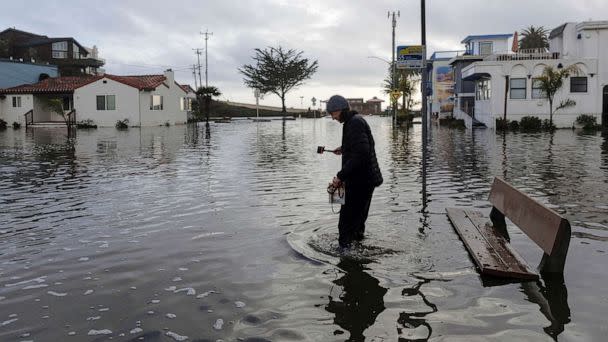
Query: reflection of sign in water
(409,57)
(444,88)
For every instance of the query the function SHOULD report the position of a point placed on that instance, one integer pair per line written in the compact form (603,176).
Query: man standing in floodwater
(360,172)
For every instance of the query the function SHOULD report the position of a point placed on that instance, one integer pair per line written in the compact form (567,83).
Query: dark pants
(353,213)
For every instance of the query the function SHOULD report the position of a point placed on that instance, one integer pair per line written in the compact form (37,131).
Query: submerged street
(226,233)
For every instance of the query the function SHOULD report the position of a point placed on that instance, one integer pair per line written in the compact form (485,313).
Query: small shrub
(167,123)
(2,124)
(547,125)
(514,125)
(502,124)
(88,123)
(122,124)
(587,121)
(530,123)
(16,125)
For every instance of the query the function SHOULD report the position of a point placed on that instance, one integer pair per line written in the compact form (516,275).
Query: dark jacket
(359,163)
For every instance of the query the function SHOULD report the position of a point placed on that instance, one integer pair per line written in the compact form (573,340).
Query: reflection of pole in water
(504,155)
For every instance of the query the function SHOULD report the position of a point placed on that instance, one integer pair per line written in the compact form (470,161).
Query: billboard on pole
(409,56)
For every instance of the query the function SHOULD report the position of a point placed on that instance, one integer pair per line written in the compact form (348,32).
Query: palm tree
(534,38)
(551,81)
(406,84)
(207,93)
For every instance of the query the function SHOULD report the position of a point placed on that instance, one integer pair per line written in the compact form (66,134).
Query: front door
(605,107)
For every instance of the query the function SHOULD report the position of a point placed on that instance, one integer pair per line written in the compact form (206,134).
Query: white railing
(523,54)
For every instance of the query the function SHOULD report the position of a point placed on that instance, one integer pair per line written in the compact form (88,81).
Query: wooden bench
(487,239)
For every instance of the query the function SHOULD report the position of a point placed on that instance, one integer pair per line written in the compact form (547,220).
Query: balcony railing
(523,54)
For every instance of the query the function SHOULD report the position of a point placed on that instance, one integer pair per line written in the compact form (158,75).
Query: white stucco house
(145,100)
(505,81)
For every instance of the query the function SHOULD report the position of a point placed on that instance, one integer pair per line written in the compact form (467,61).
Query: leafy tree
(278,71)
(551,81)
(534,38)
(206,93)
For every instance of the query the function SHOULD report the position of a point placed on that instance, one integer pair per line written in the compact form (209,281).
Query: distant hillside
(233,109)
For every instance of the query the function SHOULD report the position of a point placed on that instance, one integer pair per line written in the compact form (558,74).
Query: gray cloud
(143,37)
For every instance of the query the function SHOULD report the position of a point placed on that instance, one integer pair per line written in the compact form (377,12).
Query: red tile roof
(140,82)
(67,84)
(56,85)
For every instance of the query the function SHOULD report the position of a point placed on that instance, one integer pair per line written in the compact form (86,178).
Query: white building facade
(149,100)
(505,83)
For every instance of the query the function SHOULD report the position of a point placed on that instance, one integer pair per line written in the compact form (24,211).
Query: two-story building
(506,83)
(477,47)
(67,53)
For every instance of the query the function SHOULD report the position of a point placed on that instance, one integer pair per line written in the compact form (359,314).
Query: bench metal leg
(498,221)
(555,262)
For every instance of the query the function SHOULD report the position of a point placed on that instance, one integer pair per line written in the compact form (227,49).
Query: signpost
(395,95)
(409,57)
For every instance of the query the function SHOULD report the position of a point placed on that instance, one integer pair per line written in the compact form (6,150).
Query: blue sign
(409,56)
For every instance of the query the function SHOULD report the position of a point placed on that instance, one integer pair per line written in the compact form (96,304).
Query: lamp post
(392,82)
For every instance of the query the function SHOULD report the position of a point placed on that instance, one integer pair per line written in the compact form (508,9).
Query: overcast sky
(146,37)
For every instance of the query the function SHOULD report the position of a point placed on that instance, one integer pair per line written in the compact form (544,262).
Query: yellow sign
(409,50)
(395,95)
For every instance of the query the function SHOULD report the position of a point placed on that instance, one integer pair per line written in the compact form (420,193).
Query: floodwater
(168,233)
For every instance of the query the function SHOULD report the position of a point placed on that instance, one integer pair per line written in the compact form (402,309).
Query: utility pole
(393,66)
(198,52)
(194,74)
(206,34)
(424,74)
(424,104)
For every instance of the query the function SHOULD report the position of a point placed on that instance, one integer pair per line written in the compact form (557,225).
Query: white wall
(499,45)
(127,105)
(487,111)
(10,114)
(171,112)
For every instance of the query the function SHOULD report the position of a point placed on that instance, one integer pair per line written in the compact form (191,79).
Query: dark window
(66,103)
(518,88)
(101,102)
(106,102)
(578,84)
(16,101)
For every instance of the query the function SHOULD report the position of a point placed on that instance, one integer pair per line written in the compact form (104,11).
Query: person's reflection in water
(359,303)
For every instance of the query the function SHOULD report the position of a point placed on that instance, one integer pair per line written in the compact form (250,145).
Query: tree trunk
(550,113)
(207,101)
(283,105)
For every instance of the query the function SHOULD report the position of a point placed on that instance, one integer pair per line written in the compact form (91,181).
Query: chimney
(169,77)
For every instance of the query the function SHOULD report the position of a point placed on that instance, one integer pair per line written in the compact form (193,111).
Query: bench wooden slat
(490,251)
(539,223)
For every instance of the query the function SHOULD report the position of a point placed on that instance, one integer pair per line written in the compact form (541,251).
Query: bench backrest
(544,226)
